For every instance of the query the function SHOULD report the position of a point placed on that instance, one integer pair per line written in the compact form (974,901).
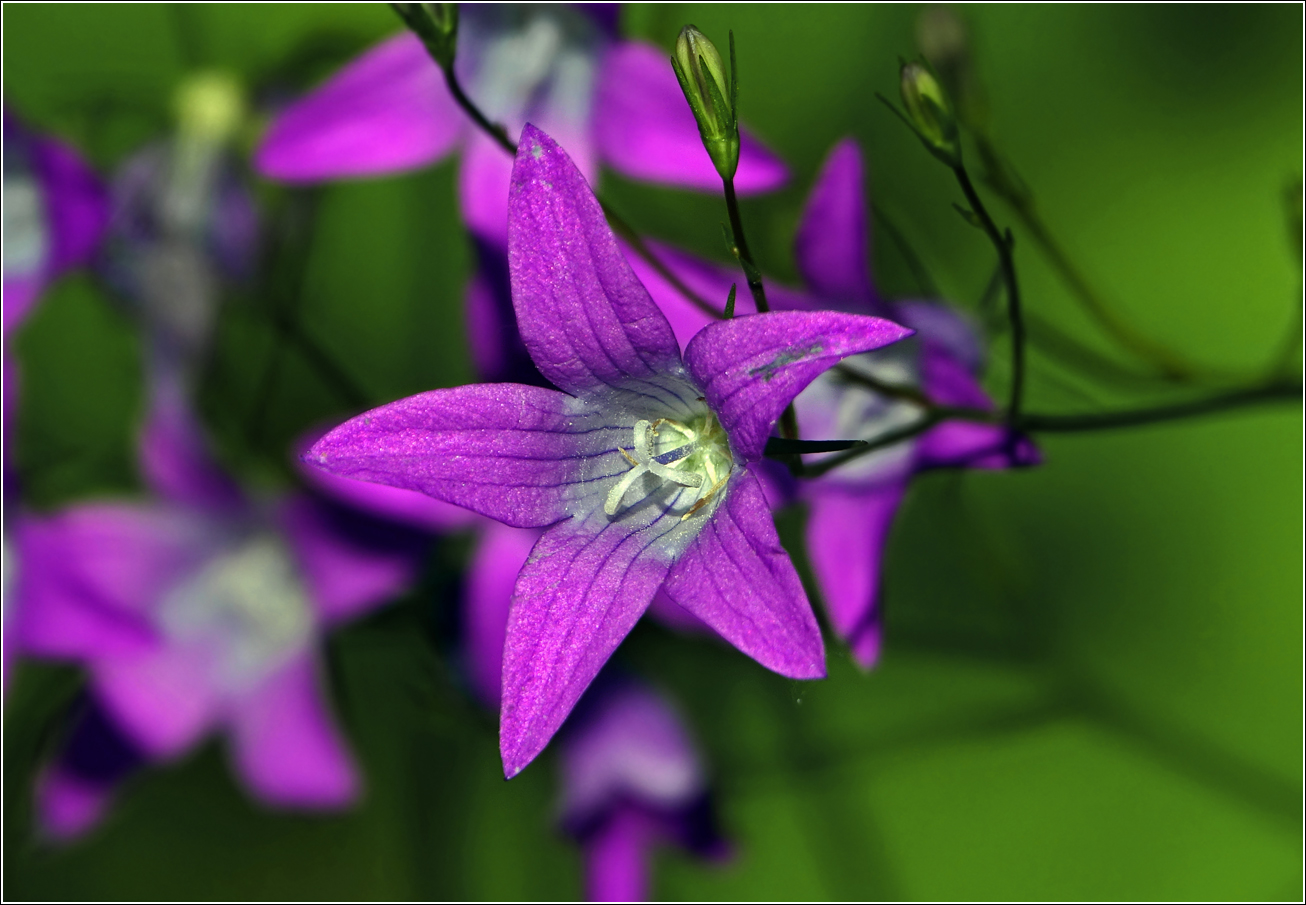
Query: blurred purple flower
(203,611)
(852,507)
(642,465)
(605,100)
(55,211)
(631,779)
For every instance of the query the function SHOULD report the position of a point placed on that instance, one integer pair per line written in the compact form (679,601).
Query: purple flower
(54,213)
(608,101)
(852,507)
(202,611)
(631,779)
(641,467)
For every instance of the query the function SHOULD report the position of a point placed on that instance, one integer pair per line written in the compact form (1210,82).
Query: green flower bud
(929,113)
(702,77)
(436,24)
(210,106)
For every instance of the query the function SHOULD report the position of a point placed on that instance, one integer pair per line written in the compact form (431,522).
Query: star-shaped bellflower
(640,464)
(200,610)
(852,508)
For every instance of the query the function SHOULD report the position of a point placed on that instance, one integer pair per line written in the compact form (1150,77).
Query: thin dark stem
(777,447)
(1003,244)
(1170,365)
(1269,393)
(494,130)
(751,273)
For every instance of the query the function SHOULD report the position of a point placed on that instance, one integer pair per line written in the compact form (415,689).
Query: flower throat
(692,455)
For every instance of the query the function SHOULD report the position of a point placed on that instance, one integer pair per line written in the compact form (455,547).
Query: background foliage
(1092,685)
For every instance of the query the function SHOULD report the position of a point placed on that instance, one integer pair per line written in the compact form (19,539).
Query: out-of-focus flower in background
(55,213)
(607,101)
(631,779)
(866,397)
(679,510)
(184,225)
(203,610)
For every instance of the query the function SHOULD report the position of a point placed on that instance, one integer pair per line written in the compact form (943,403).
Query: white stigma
(688,455)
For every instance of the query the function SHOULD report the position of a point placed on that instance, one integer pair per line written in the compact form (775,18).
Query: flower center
(247,606)
(694,455)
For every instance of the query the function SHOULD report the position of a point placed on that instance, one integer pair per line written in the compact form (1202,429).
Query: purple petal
(174,456)
(644,128)
(286,746)
(949,330)
(487,600)
(386,111)
(616,857)
(52,616)
(76,204)
(510,452)
(584,316)
(404,507)
(585,585)
(350,564)
(115,560)
(626,744)
(674,616)
(164,700)
(752,367)
(69,806)
(20,294)
(846,534)
(738,579)
(484,177)
(971,444)
(711,282)
(832,246)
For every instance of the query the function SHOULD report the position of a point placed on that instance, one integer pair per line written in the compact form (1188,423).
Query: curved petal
(163,700)
(585,585)
(286,746)
(751,367)
(584,316)
(69,806)
(386,111)
(949,330)
(710,281)
(969,444)
(20,294)
(846,534)
(484,177)
(351,563)
(76,204)
(513,453)
(832,247)
(739,580)
(174,456)
(487,599)
(644,128)
(625,743)
(121,558)
(616,857)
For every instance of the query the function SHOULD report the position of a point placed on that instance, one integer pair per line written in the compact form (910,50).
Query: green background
(1093,679)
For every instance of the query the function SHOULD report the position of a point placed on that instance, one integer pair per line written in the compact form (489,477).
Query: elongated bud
(436,24)
(711,96)
(930,113)
(210,106)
